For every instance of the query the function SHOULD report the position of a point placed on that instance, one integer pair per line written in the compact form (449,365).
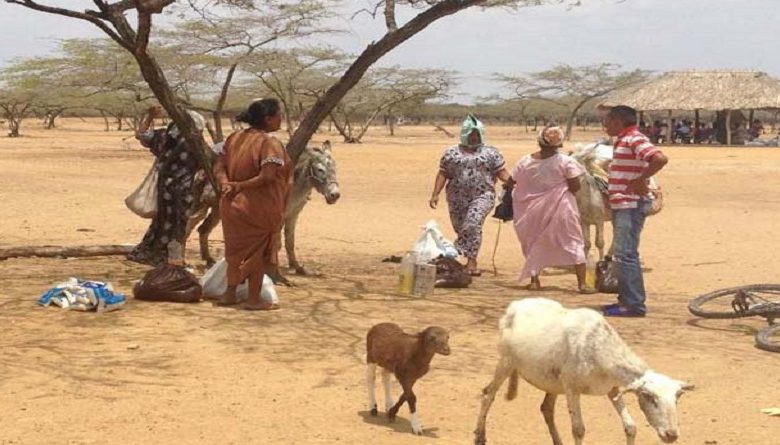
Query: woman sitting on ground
(546,217)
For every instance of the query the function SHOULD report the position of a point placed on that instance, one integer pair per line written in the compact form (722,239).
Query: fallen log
(65,251)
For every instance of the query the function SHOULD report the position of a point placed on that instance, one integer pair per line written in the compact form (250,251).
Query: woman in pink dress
(546,217)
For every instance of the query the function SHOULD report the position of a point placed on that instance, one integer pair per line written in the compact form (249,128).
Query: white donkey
(592,198)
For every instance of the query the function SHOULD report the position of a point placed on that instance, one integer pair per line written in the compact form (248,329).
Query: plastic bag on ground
(168,282)
(214,284)
(83,295)
(606,276)
(432,244)
(143,201)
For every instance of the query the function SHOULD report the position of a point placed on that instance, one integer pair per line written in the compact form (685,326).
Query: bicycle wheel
(736,302)
(768,339)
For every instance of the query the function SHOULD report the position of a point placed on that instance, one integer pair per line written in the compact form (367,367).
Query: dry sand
(167,373)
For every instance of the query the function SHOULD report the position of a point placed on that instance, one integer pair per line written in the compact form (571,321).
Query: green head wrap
(469,125)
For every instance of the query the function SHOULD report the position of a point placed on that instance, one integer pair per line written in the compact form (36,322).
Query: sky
(658,35)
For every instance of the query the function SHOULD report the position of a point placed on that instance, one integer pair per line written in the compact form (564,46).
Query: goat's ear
(635,386)
(326,146)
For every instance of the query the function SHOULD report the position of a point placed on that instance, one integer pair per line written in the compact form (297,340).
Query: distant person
(469,170)
(255,174)
(546,217)
(176,168)
(634,162)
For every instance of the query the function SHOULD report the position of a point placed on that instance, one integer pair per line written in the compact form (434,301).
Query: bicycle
(755,300)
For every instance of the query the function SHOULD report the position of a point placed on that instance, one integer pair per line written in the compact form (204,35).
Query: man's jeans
(628,225)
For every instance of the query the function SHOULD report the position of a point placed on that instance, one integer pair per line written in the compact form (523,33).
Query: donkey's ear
(326,146)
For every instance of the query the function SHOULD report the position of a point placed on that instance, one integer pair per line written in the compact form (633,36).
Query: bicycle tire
(695,306)
(764,338)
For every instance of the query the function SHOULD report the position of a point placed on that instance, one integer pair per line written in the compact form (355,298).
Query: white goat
(574,352)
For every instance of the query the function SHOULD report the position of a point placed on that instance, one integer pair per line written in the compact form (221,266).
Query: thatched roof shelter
(701,90)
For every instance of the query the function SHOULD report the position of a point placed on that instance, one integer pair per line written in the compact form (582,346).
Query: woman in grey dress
(469,170)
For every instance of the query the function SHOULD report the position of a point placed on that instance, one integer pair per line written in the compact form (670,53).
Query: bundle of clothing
(83,295)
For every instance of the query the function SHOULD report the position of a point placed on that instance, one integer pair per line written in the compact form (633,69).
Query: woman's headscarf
(470,124)
(551,137)
(200,124)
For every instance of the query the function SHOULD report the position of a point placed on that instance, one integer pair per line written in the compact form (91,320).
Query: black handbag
(503,210)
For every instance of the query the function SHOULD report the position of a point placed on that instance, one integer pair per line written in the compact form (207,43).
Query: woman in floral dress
(469,171)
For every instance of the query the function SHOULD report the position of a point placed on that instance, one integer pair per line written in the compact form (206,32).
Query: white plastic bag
(143,201)
(431,244)
(214,284)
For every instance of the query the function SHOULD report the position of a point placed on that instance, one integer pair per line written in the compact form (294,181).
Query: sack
(143,201)
(606,276)
(214,284)
(504,210)
(450,273)
(168,283)
(432,244)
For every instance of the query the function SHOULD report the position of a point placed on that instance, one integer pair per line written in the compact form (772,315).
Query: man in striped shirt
(634,161)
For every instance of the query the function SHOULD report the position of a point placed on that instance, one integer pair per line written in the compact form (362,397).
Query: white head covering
(200,124)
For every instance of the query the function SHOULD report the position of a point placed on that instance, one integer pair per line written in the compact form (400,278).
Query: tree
(298,77)
(88,74)
(222,42)
(571,86)
(380,91)
(111,18)
(394,36)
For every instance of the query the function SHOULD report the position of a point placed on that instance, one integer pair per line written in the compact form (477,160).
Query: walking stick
(495,248)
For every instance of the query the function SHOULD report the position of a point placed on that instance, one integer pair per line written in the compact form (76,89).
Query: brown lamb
(407,356)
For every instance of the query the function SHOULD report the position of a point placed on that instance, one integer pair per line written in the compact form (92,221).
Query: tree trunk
(59,251)
(105,121)
(218,135)
(158,83)
(572,116)
(696,121)
(728,127)
(364,61)
(14,123)
(669,129)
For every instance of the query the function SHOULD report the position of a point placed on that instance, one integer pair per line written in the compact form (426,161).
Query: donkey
(592,198)
(315,170)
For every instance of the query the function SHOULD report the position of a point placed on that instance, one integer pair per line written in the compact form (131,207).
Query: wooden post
(669,129)
(728,127)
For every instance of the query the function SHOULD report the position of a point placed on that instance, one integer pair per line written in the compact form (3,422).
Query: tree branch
(392,25)
(89,16)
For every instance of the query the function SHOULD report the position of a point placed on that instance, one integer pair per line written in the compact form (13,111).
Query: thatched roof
(704,90)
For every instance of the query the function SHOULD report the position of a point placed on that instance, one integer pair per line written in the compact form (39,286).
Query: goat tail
(511,392)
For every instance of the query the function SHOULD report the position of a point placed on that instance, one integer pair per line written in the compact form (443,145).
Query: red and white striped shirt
(632,152)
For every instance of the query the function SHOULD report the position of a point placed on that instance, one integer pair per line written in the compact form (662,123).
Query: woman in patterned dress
(176,168)
(469,170)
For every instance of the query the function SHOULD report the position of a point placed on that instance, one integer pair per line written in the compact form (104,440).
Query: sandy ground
(167,373)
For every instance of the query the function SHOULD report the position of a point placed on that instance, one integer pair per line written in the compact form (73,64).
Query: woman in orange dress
(255,174)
